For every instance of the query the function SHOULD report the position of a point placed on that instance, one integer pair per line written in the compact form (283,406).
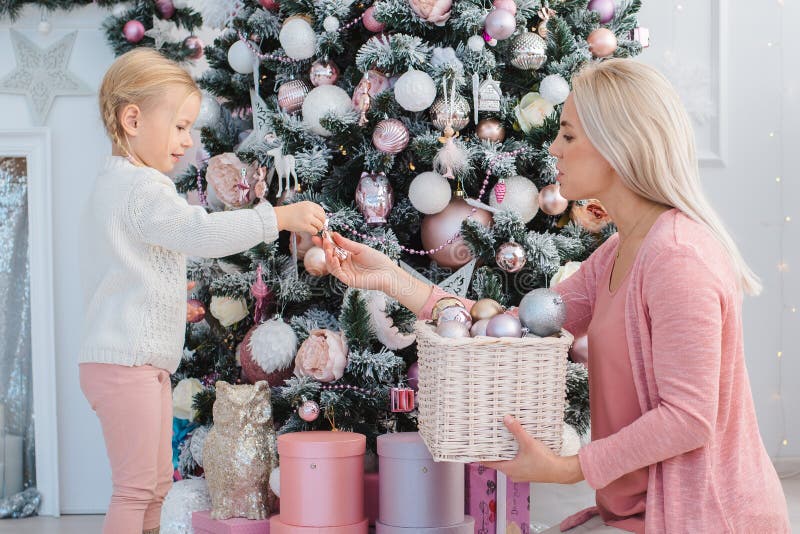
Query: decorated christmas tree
(422,127)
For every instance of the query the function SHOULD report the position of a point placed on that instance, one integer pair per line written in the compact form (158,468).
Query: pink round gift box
(322,483)
(417,494)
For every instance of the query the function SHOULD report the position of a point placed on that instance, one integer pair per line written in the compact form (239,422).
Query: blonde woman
(675,443)
(136,234)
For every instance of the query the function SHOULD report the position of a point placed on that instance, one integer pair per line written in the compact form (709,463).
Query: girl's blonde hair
(635,119)
(138,77)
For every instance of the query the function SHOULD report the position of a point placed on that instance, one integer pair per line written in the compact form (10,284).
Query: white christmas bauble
(273,345)
(240,58)
(323,100)
(227,310)
(275,481)
(331,23)
(429,192)
(554,89)
(476,43)
(209,111)
(570,441)
(185,497)
(297,38)
(522,198)
(415,90)
(383,325)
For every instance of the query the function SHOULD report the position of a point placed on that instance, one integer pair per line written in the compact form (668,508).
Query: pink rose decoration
(322,356)
(590,214)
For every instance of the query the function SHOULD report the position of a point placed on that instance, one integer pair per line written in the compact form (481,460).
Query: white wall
(743,190)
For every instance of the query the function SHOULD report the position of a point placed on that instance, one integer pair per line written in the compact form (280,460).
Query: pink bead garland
(450,241)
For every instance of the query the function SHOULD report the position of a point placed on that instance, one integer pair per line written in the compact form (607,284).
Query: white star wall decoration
(41,75)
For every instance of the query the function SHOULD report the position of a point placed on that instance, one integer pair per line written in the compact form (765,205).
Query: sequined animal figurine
(240,452)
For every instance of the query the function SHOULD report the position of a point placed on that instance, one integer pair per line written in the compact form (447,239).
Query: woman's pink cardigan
(708,469)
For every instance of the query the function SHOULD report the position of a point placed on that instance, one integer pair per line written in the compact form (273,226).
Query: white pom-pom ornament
(240,58)
(570,441)
(331,23)
(554,89)
(273,345)
(415,90)
(429,192)
(522,198)
(297,38)
(323,100)
(476,43)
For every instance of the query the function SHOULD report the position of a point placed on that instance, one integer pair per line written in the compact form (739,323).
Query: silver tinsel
(23,504)
(528,51)
(198,441)
(186,496)
(441,113)
(543,312)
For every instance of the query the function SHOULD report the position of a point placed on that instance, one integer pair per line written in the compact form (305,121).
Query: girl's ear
(130,118)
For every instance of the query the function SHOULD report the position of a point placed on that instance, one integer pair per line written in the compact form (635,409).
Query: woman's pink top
(708,470)
(613,401)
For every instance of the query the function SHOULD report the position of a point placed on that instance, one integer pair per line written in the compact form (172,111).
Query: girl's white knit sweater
(137,231)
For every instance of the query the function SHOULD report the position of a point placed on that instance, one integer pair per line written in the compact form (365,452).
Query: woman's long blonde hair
(635,119)
(138,77)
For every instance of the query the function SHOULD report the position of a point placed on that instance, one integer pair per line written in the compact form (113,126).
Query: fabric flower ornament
(228,310)
(183,398)
(323,356)
(224,176)
(565,271)
(532,110)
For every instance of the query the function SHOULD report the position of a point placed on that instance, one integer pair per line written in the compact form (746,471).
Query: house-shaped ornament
(489,95)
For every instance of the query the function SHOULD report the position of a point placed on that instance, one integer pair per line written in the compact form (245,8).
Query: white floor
(551,504)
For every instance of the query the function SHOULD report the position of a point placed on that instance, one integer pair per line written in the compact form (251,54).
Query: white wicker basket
(467,385)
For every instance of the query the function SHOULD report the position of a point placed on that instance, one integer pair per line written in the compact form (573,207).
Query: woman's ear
(130,117)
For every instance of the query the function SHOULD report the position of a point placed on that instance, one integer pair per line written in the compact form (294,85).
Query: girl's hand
(364,267)
(301,217)
(535,462)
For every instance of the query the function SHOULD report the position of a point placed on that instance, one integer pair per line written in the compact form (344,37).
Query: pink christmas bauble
(370,23)
(602,42)
(374,197)
(133,31)
(270,5)
(604,8)
(194,45)
(195,311)
(165,8)
(314,262)
(308,411)
(440,228)
(500,24)
(550,200)
(323,72)
(508,5)
(580,350)
(390,136)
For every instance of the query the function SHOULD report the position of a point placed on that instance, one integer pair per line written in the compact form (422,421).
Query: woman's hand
(300,217)
(364,267)
(535,462)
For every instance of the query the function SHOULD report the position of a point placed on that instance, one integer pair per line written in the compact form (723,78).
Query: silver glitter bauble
(528,51)
(511,257)
(390,136)
(452,329)
(543,312)
(374,197)
(441,113)
(455,313)
(291,95)
(504,325)
(239,452)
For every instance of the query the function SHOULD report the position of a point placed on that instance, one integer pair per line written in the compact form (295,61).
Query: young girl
(137,233)
(675,443)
